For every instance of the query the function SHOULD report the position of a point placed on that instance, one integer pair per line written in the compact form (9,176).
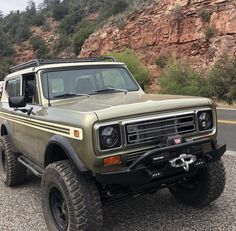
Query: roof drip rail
(40,62)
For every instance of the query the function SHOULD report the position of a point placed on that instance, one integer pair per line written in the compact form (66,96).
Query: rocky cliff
(198,30)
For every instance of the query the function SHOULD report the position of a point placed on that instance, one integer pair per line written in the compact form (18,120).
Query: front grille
(157,130)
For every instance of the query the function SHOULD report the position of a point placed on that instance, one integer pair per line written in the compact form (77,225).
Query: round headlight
(205,120)
(109,137)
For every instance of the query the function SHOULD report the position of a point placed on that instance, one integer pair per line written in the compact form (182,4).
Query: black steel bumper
(155,165)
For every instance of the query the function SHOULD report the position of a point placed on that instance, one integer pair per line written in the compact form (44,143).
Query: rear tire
(12,172)
(202,189)
(70,201)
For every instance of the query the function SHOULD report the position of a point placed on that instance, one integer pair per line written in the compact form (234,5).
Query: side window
(13,87)
(30,89)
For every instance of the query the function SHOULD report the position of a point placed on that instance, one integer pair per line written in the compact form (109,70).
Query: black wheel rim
(3,161)
(59,208)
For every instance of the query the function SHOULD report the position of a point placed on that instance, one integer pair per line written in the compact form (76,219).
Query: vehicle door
(25,126)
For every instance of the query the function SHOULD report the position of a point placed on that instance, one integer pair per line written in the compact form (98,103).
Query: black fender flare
(7,126)
(63,143)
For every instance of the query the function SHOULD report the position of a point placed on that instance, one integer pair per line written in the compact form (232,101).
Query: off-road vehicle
(88,129)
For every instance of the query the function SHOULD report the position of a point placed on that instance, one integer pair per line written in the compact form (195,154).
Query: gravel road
(20,209)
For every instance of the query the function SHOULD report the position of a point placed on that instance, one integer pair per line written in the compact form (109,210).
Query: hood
(116,105)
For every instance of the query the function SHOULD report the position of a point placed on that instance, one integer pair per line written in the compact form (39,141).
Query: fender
(7,126)
(66,146)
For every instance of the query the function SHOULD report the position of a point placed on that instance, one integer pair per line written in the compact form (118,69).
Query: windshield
(80,82)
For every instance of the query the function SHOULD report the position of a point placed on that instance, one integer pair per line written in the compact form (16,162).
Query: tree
(86,29)
(22,32)
(6,48)
(39,47)
(139,71)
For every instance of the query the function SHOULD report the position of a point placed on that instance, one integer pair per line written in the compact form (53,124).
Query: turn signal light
(112,160)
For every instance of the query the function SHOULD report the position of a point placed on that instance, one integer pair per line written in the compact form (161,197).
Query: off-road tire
(12,173)
(208,185)
(80,193)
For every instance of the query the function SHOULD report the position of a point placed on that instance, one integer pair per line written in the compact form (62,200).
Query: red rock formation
(172,26)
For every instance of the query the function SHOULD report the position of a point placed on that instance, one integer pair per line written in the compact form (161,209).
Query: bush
(70,21)
(4,68)
(178,78)
(22,32)
(222,80)
(39,47)
(140,72)
(59,11)
(177,12)
(110,8)
(38,20)
(161,61)
(63,43)
(209,32)
(86,29)
(204,14)
(46,26)
(6,47)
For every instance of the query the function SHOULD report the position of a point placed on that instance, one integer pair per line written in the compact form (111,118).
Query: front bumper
(155,165)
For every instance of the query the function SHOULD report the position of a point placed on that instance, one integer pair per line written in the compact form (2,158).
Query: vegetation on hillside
(139,71)
(77,20)
(219,83)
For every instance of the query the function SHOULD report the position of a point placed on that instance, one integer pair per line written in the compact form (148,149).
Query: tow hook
(184,160)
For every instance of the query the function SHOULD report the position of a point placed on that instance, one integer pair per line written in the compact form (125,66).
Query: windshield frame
(74,68)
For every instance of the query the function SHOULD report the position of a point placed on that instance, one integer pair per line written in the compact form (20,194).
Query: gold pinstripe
(44,126)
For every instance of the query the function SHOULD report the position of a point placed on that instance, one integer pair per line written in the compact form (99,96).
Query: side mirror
(17,101)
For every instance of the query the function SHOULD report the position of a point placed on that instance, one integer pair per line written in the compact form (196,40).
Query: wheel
(202,189)
(70,201)
(12,172)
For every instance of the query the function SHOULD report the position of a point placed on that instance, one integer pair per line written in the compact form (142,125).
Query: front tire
(202,189)
(12,172)
(70,201)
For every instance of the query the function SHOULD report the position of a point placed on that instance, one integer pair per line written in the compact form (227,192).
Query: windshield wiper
(67,95)
(110,90)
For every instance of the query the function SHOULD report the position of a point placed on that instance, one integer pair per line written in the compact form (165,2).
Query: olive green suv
(88,129)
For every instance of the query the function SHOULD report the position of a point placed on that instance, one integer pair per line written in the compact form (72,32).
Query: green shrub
(140,72)
(46,27)
(86,29)
(180,79)
(177,12)
(161,61)
(209,32)
(4,68)
(39,47)
(110,8)
(70,21)
(6,48)
(59,10)
(63,43)
(22,32)
(222,80)
(204,14)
